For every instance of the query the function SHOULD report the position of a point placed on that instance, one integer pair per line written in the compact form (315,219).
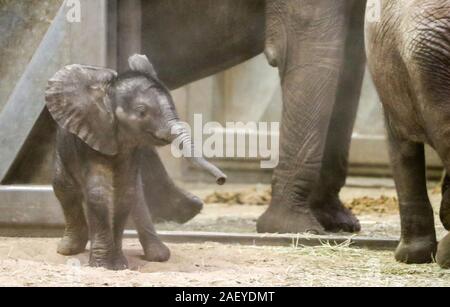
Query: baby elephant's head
(101,107)
(110,112)
(143,107)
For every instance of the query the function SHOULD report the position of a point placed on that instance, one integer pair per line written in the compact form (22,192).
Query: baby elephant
(104,120)
(409,57)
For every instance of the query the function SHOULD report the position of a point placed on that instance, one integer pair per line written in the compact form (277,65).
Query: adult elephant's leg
(306,40)
(324,201)
(165,200)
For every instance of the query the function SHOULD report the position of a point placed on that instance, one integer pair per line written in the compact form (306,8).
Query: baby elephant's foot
(72,244)
(443,254)
(120,262)
(156,251)
(103,261)
(103,256)
(417,251)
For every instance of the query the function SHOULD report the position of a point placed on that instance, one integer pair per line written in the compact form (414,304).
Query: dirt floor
(34,262)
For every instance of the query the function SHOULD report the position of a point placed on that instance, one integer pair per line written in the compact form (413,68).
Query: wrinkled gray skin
(409,57)
(318,48)
(105,120)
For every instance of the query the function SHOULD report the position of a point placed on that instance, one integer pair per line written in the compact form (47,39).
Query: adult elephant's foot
(175,205)
(418,251)
(156,251)
(281,218)
(73,243)
(333,215)
(443,253)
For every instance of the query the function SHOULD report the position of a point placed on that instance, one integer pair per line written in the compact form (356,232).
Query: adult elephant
(317,46)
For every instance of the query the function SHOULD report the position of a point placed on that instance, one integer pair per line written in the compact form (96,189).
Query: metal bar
(88,40)
(27,100)
(272,239)
(29,206)
(253,239)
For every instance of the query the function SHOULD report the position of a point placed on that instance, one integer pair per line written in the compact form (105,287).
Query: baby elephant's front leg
(125,200)
(99,197)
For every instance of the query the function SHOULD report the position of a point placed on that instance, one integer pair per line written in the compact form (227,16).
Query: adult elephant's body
(318,47)
(190,40)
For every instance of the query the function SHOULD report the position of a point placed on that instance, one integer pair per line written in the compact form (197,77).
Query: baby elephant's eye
(141,110)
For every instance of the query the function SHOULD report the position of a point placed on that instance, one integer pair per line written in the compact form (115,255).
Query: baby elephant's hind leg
(154,248)
(445,204)
(76,231)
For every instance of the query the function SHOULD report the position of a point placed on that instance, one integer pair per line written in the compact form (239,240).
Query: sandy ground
(34,262)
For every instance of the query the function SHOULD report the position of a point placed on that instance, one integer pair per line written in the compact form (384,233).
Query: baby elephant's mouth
(158,140)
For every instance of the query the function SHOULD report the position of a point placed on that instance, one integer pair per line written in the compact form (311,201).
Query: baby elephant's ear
(77,98)
(141,63)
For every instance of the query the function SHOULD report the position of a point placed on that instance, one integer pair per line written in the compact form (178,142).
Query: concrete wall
(22,27)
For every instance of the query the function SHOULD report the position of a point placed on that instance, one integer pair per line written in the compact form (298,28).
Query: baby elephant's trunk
(184,139)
